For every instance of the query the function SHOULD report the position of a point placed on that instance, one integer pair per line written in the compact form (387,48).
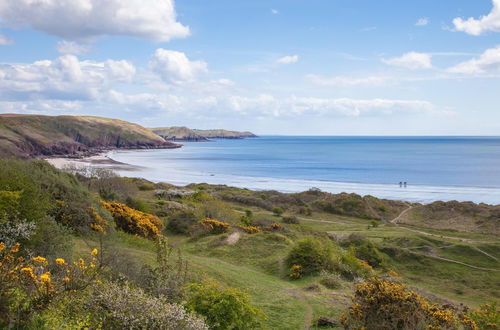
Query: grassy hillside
(33,135)
(176,133)
(250,249)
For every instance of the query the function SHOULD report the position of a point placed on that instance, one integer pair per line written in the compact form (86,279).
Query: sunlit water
(435,168)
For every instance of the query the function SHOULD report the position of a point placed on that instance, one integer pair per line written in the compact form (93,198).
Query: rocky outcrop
(36,135)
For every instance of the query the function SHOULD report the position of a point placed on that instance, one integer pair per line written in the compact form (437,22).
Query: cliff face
(36,135)
(176,133)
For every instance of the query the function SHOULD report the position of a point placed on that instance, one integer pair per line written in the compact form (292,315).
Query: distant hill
(181,133)
(37,135)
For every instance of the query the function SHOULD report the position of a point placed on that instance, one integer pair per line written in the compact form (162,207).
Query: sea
(434,168)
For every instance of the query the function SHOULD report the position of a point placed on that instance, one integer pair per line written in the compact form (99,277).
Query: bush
(223,308)
(312,255)
(330,281)
(291,220)
(137,204)
(181,222)
(278,211)
(486,317)
(351,267)
(114,306)
(134,222)
(212,226)
(382,304)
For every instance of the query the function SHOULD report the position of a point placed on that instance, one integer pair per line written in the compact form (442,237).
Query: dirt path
(309,311)
(454,261)
(396,219)
(485,253)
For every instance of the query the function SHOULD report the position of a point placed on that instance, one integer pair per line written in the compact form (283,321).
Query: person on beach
(400,184)
(404,184)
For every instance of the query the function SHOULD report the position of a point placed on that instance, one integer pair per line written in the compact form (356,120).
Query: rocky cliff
(37,135)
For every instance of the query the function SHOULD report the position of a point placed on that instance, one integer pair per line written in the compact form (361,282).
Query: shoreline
(424,194)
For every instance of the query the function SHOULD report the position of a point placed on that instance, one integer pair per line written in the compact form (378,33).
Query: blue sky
(329,67)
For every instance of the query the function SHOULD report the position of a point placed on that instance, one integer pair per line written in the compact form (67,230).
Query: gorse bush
(382,304)
(212,226)
(223,308)
(487,317)
(134,222)
(30,284)
(312,255)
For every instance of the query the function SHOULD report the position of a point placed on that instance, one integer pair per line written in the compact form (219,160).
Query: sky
(284,67)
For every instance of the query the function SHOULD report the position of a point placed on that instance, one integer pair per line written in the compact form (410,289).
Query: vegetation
(224,308)
(271,271)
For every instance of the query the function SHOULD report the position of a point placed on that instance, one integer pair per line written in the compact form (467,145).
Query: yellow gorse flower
(94,252)
(66,279)
(2,246)
(60,261)
(45,278)
(39,259)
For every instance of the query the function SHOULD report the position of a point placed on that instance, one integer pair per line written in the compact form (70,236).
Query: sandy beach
(101,160)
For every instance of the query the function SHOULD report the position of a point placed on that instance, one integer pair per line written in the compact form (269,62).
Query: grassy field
(445,266)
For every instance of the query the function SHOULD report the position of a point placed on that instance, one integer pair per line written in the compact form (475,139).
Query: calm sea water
(435,168)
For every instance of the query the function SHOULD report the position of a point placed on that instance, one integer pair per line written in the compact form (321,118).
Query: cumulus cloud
(488,62)
(88,19)
(71,47)
(411,60)
(4,41)
(65,78)
(274,11)
(348,81)
(288,59)
(175,67)
(422,21)
(475,27)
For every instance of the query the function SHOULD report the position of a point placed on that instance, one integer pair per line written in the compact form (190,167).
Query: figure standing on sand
(402,184)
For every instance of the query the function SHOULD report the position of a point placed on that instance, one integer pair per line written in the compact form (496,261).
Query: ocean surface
(435,168)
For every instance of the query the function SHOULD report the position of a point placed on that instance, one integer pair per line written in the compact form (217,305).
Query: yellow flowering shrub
(296,272)
(213,226)
(252,229)
(134,222)
(29,283)
(98,224)
(383,304)
(487,317)
(274,227)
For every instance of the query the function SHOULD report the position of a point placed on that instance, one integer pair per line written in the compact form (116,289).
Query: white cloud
(288,59)
(88,19)
(71,47)
(411,60)
(488,62)
(65,78)
(475,27)
(348,81)
(4,41)
(274,11)
(422,21)
(175,67)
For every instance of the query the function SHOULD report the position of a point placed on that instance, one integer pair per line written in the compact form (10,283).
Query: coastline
(424,194)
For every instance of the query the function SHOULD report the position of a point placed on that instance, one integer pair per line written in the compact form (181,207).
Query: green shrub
(351,267)
(181,222)
(369,253)
(312,254)
(291,220)
(278,211)
(223,308)
(137,204)
(113,306)
(331,281)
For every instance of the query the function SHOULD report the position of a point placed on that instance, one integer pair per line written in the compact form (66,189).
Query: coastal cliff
(181,133)
(37,135)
